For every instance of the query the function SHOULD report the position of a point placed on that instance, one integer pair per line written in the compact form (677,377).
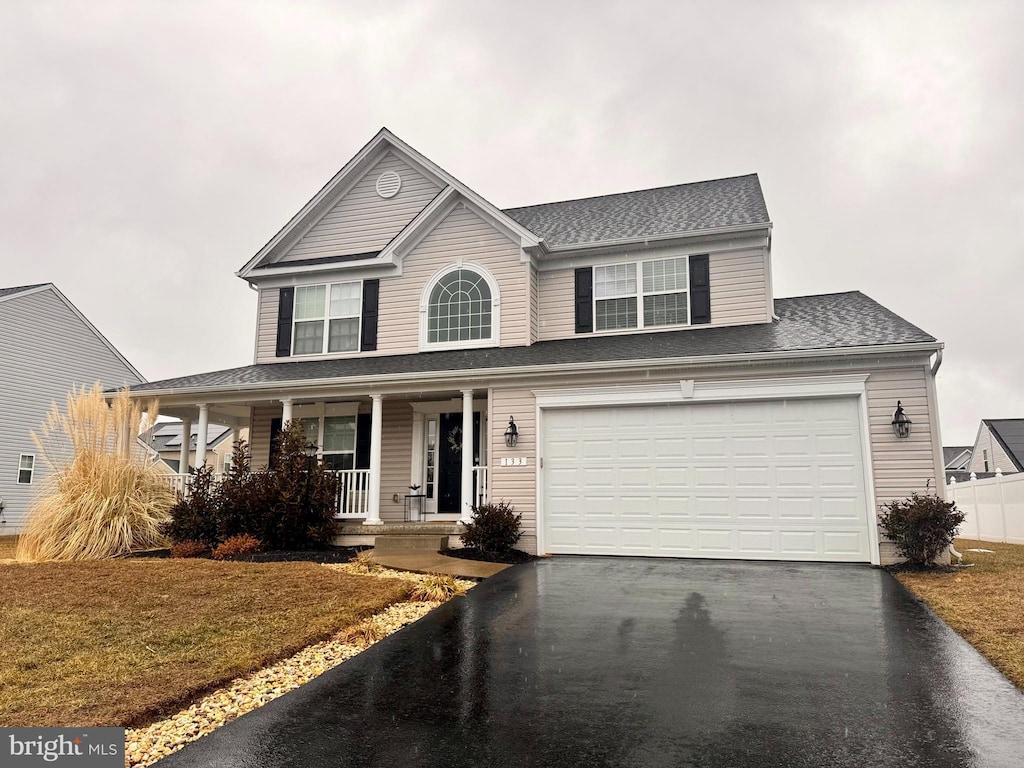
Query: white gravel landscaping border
(144,746)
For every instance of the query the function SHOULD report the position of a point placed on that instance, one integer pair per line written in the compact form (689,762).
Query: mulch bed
(321,556)
(514,557)
(918,568)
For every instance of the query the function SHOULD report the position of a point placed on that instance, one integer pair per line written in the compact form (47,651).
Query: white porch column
(418,441)
(373,505)
(186,444)
(286,411)
(467,455)
(203,428)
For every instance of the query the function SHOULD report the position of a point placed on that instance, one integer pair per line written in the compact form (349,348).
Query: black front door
(449,481)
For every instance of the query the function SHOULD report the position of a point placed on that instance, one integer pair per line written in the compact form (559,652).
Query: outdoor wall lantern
(900,422)
(512,433)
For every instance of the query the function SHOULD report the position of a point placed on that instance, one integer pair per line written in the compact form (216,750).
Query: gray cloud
(148,150)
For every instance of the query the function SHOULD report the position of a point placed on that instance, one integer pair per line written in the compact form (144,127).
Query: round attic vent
(388,184)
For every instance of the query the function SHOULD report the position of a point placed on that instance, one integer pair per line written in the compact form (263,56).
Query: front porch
(400,460)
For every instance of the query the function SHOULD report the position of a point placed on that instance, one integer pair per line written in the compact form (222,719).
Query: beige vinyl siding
(556,304)
(266,325)
(461,236)
(997,457)
(47,351)
(516,485)
(395,459)
(259,431)
(362,221)
(739,294)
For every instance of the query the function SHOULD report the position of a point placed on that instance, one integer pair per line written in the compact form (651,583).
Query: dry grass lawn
(7,546)
(983,603)
(119,642)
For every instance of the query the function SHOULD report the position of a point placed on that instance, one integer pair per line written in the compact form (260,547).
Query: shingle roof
(19,289)
(167,436)
(647,213)
(831,321)
(1010,434)
(950,452)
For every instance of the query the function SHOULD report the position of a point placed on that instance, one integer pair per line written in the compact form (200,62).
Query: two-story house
(664,401)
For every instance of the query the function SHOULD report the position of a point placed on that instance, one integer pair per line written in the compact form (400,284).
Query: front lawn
(7,545)
(983,603)
(119,642)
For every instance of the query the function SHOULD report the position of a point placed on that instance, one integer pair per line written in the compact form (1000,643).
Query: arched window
(459,308)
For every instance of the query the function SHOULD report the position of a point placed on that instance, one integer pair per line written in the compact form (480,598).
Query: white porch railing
(480,485)
(993,507)
(183,483)
(353,492)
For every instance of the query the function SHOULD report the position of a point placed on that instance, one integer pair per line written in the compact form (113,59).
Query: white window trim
(326,319)
(495,338)
(31,472)
(640,295)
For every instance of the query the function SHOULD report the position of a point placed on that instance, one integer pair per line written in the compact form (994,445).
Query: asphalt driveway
(646,662)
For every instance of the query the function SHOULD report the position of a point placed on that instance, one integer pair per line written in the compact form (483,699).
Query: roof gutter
(601,366)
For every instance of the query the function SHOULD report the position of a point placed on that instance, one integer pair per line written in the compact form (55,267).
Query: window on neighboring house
(26,468)
(658,298)
(984,458)
(459,308)
(326,318)
(337,440)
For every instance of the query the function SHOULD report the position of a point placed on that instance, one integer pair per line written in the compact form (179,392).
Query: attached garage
(765,479)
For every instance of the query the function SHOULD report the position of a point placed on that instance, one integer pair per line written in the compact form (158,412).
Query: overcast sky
(149,149)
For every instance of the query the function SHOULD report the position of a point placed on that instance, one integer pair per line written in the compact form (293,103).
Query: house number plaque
(514,461)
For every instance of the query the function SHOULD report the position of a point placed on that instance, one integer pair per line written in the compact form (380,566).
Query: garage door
(767,480)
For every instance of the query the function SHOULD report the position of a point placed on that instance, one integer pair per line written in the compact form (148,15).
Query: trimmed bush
(195,518)
(496,528)
(190,549)
(921,527)
(237,545)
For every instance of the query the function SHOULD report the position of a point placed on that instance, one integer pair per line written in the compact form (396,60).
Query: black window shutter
(371,298)
(584,300)
(276,428)
(285,310)
(700,290)
(363,441)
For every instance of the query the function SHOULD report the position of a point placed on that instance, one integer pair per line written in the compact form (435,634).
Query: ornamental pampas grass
(104,496)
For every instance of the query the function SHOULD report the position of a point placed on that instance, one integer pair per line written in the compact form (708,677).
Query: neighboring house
(47,349)
(956,458)
(165,439)
(999,446)
(666,402)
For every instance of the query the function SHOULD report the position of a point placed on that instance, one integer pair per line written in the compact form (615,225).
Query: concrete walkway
(419,561)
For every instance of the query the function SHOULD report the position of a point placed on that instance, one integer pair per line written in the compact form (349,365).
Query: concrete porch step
(410,542)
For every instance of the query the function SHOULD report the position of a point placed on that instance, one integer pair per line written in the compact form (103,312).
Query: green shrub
(237,545)
(242,499)
(921,527)
(190,549)
(195,518)
(300,496)
(496,528)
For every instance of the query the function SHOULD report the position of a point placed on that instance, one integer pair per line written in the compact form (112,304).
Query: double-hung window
(336,441)
(327,318)
(641,294)
(26,468)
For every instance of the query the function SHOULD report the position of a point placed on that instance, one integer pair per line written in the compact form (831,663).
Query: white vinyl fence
(994,507)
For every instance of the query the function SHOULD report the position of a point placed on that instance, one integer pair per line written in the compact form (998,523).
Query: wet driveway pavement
(636,662)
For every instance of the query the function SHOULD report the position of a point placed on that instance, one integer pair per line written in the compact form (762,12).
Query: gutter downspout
(938,361)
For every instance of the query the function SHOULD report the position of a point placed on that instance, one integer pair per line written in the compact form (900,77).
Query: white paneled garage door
(767,480)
